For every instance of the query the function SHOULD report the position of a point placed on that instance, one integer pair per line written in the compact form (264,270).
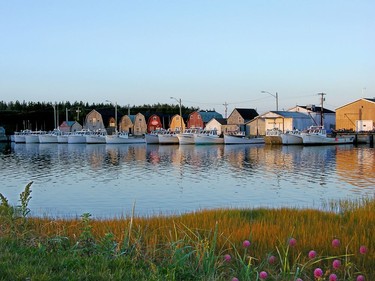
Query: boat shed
(216,124)
(94,121)
(286,120)
(256,127)
(357,116)
(316,113)
(70,126)
(238,118)
(195,120)
(207,115)
(176,123)
(154,123)
(140,125)
(134,124)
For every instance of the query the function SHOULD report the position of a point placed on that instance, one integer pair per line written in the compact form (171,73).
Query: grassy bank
(259,244)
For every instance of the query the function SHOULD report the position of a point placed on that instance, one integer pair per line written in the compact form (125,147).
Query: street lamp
(179,102)
(115,104)
(275,96)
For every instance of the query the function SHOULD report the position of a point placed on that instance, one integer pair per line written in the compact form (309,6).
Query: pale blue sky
(204,52)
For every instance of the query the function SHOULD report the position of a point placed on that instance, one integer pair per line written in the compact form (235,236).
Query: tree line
(15,116)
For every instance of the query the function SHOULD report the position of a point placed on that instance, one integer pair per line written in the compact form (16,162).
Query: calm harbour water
(106,180)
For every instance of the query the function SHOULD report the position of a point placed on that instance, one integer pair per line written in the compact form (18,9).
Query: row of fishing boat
(314,135)
(83,136)
(198,136)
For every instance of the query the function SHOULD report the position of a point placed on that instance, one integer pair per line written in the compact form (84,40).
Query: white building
(315,113)
(286,120)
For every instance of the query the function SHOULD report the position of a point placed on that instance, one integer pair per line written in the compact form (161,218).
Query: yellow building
(357,116)
(176,123)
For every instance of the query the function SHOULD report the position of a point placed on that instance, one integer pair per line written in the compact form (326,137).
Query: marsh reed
(282,244)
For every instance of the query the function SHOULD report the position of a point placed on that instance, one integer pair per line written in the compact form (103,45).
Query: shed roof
(366,99)
(316,108)
(247,113)
(208,115)
(291,114)
(222,121)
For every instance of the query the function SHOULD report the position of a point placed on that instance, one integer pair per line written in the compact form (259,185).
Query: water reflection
(107,179)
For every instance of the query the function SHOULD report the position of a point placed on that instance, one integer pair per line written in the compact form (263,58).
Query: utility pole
(54,114)
(78,111)
(322,99)
(226,108)
(66,114)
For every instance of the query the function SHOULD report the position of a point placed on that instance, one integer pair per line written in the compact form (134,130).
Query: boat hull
(289,139)
(168,139)
(186,139)
(19,139)
(152,139)
(199,140)
(228,139)
(321,140)
(76,139)
(95,139)
(32,138)
(123,140)
(62,139)
(48,138)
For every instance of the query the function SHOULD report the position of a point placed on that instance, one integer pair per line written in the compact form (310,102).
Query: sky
(205,52)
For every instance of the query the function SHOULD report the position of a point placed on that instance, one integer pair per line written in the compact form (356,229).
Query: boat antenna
(322,99)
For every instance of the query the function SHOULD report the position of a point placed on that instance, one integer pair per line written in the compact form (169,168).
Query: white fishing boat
(291,137)
(240,138)
(273,136)
(123,138)
(34,136)
(63,138)
(50,137)
(78,136)
(96,137)
(187,137)
(317,135)
(168,137)
(208,137)
(19,137)
(153,137)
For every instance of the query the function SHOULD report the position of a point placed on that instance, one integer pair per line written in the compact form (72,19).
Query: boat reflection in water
(105,180)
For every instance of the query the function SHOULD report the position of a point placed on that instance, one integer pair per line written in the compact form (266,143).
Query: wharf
(363,137)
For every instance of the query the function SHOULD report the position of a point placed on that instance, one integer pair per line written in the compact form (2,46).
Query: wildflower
(318,272)
(335,243)
(362,250)
(292,242)
(271,259)
(246,243)
(333,277)
(299,279)
(336,264)
(360,278)
(235,279)
(263,275)
(312,254)
(227,258)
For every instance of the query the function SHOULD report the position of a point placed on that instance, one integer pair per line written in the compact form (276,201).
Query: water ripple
(106,180)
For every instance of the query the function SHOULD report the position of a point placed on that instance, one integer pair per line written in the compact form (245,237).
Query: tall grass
(208,245)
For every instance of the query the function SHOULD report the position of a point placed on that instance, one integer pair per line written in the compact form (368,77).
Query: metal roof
(247,113)
(291,114)
(208,115)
